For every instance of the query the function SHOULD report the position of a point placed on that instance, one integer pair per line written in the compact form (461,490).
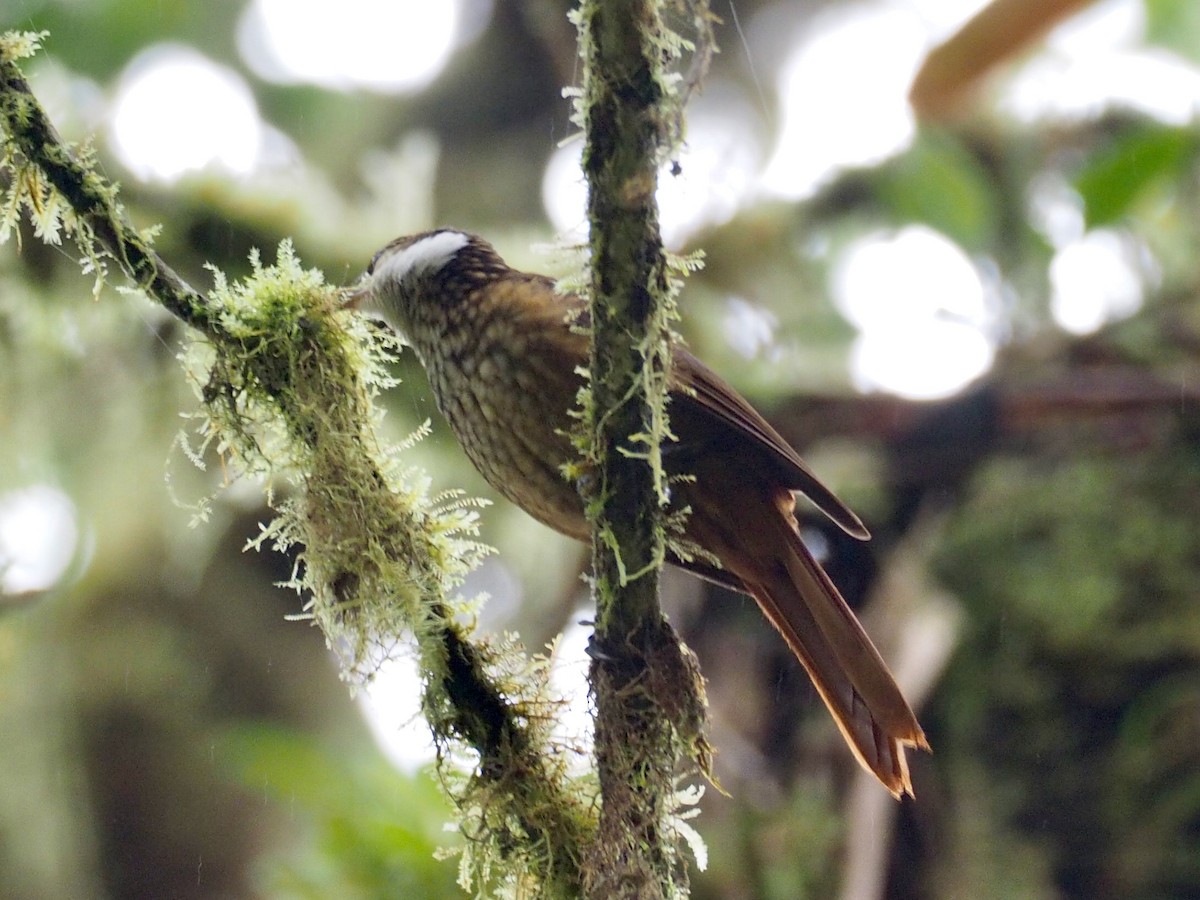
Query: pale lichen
(30,193)
(287,397)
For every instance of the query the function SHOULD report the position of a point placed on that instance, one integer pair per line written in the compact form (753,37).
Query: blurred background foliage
(977,315)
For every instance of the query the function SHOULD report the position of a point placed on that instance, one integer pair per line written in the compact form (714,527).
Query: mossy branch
(98,217)
(287,385)
(649,699)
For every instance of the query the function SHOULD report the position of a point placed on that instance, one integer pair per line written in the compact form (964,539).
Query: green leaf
(1116,176)
(1174,24)
(372,831)
(939,183)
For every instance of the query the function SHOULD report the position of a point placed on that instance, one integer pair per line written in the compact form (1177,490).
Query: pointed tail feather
(804,605)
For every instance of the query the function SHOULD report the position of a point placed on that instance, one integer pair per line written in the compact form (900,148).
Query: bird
(504,362)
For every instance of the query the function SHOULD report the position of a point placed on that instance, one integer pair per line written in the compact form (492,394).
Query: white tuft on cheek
(381,294)
(426,255)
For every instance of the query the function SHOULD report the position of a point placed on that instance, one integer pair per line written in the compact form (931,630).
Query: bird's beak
(353,296)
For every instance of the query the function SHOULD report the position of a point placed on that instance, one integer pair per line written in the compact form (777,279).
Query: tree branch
(94,202)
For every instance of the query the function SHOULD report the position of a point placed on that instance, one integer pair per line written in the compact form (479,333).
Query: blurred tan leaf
(1000,31)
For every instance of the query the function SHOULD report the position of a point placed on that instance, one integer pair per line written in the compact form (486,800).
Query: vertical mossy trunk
(628,284)
(645,683)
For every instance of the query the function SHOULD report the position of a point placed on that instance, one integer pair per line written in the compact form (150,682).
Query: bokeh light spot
(718,167)
(921,310)
(391,704)
(921,361)
(177,112)
(844,96)
(38,536)
(1095,280)
(383,45)
(1095,61)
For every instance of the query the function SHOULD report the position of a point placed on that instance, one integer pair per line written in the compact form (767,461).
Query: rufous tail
(804,605)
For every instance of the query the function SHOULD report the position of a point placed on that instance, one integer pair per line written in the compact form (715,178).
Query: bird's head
(419,277)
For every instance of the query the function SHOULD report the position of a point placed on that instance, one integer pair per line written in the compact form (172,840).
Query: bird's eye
(374,262)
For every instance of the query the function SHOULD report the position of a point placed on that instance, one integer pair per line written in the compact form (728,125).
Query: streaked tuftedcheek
(382,300)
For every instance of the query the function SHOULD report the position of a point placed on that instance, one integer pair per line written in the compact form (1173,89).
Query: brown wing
(703,398)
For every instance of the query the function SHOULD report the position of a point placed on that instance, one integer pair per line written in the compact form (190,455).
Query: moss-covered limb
(649,702)
(381,559)
(28,131)
(287,383)
(518,807)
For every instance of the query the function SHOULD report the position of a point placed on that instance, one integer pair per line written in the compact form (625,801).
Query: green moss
(288,397)
(1069,712)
